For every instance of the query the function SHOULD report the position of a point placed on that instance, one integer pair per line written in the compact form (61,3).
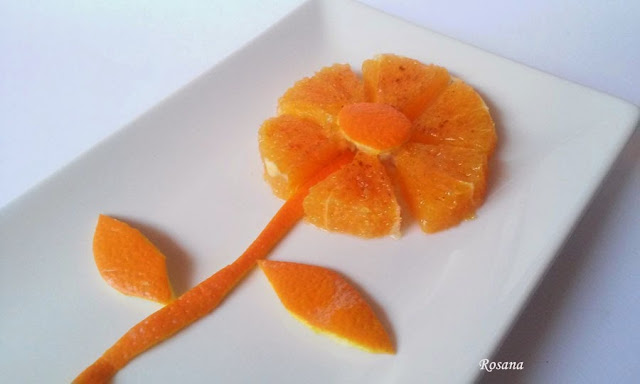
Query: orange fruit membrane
(129,262)
(319,98)
(206,296)
(326,302)
(293,149)
(459,117)
(442,185)
(374,127)
(406,84)
(358,199)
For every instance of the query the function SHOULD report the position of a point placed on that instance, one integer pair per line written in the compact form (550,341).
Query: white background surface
(73,72)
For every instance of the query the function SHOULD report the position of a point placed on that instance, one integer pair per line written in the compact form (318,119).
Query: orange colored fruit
(319,98)
(465,164)
(129,262)
(326,302)
(358,199)
(293,150)
(206,296)
(458,117)
(374,127)
(442,185)
(406,84)
(399,102)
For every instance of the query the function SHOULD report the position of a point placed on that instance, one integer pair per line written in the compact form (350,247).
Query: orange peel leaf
(326,302)
(129,262)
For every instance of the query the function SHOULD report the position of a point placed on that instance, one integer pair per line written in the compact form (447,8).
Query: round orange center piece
(374,127)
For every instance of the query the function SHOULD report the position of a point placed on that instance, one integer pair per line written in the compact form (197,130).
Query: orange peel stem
(206,296)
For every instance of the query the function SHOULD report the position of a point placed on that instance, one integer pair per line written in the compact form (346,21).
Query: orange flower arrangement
(342,151)
(418,135)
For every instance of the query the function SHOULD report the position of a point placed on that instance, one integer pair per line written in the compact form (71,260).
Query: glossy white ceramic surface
(188,174)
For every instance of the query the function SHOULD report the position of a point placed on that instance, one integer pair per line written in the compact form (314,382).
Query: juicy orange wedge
(293,149)
(441,185)
(459,118)
(320,97)
(358,199)
(129,262)
(326,302)
(405,83)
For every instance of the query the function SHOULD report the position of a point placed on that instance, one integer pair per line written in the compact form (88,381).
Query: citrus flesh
(358,199)
(293,149)
(374,127)
(326,302)
(441,186)
(464,164)
(458,117)
(129,262)
(320,97)
(408,85)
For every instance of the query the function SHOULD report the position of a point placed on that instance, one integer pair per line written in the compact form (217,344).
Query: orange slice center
(374,127)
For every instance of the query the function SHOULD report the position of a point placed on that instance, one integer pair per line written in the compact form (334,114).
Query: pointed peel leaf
(129,262)
(326,302)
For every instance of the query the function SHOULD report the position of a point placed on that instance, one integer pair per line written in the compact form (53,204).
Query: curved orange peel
(323,300)
(129,262)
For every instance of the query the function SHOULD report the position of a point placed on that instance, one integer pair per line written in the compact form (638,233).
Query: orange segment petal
(464,164)
(319,98)
(358,199)
(440,188)
(129,262)
(326,302)
(374,127)
(404,83)
(293,149)
(458,117)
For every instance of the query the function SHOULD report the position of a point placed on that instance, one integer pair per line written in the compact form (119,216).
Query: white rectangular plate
(188,174)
